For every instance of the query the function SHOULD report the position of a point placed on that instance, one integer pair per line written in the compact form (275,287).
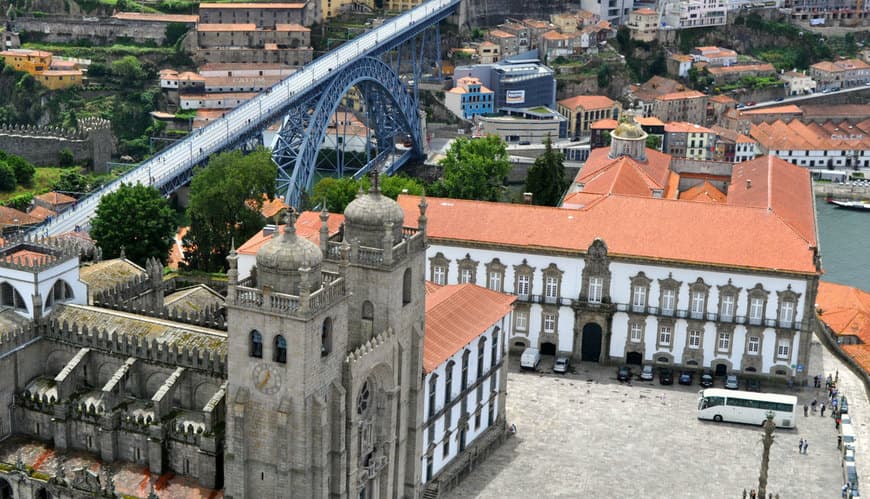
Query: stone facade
(92,143)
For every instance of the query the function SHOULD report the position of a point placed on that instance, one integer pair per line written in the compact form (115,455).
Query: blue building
(468,98)
(517,82)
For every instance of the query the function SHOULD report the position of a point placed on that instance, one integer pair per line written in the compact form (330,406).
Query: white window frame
(551,287)
(438,275)
(756,308)
(695,339)
(783,348)
(724,341)
(522,320)
(523,284)
(754,345)
(727,310)
(549,322)
(787,312)
(698,302)
(665,334)
(465,276)
(494,280)
(596,289)
(638,297)
(669,301)
(636,332)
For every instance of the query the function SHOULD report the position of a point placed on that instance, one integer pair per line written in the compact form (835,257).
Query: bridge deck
(165,168)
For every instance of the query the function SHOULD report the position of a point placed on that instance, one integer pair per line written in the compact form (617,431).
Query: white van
(847,432)
(530,358)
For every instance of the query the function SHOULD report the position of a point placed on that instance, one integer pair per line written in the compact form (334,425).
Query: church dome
(629,130)
(280,260)
(365,218)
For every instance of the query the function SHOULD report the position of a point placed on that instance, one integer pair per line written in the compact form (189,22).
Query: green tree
(129,70)
(546,178)
(336,193)
(654,142)
(474,169)
(138,218)
(225,201)
(20,202)
(72,182)
(604,76)
(24,171)
(65,157)
(392,186)
(7,177)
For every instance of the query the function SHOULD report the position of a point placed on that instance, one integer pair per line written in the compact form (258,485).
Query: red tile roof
(10,217)
(778,186)
(456,315)
(163,18)
(55,198)
(741,68)
(243,5)
(687,94)
(846,310)
(704,192)
(646,11)
(587,102)
(788,108)
(624,175)
(796,135)
(685,127)
(648,228)
(307,226)
(41,212)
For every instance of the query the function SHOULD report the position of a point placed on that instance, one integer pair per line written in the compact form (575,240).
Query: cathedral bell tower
(285,402)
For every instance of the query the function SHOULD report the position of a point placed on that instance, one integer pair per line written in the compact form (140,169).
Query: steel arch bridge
(305,101)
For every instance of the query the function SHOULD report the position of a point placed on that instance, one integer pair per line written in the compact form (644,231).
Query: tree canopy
(226,197)
(337,193)
(474,169)
(72,182)
(138,218)
(546,178)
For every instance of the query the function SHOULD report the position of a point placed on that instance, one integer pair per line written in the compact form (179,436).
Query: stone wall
(485,13)
(92,143)
(102,31)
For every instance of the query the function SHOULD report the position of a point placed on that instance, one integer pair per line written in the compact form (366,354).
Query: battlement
(91,140)
(211,360)
(33,256)
(369,346)
(11,340)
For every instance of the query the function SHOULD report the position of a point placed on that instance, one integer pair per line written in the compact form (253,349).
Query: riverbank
(841,191)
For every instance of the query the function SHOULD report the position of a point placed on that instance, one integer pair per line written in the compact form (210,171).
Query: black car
(706,379)
(685,378)
(666,376)
(624,373)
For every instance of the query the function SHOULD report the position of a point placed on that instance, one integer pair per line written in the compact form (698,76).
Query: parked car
(843,406)
(561,364)
(751,103)
(530,358)
(647,373)
(623,373)
(731,382)
(753,385)
(666,376)
(686,378)
(740,106)
(706,380)
(780,99)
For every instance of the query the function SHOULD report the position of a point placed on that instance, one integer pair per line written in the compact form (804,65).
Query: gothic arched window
(406,287)
(256,344)
(280,349)
(326,337)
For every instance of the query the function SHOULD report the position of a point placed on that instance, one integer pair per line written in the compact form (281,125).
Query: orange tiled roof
(704,192)
(638,227)
(500,34)
(846,310)
(722,99)
(10,217)
(685,127)
(55,198)
(554,35)
(800,136)
(786,109)
(587,102)
(579,199)
(291,27)
(170,18)
(242,5)
(624,175)
(606,124)
(273,207)
(687,94)
(777,186)
(741,68)
(307,226)
(536,23)
(682,57)
(41,212)
(227,27)
(861,354)
(431,287)
(456,315)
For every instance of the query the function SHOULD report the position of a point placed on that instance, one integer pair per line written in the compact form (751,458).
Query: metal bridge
(306,102)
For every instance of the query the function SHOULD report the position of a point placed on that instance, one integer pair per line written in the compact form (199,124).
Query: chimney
(748,183)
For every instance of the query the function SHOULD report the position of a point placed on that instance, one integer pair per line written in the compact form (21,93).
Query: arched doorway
(721,369)
(42,494)
(591,345)
(634,358)
(5,490)
(548,349)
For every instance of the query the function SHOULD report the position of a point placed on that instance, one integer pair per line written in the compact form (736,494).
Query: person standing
(806,410)
(806,444)
(823,410)
(800,446)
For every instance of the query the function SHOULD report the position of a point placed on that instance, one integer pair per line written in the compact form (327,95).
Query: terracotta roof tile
(704,192)
(226,27)
(722,99)
(456,315)
(646,11)
(775,185)
(165,18)
(741,68)
(624,175)
(788,108)
(688,94)
(796,135)
(10,217)
(55,198)
(861,354)
(41,212)
(646,228)
(587,102)
(846,310)
(307,226)
(685,127)
(500,34)
(579,199)
(243,5)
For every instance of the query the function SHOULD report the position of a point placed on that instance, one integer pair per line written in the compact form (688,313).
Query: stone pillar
(156,454)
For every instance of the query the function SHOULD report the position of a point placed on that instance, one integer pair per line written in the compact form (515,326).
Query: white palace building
(630,273)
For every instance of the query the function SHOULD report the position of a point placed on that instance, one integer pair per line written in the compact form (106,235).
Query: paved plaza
(586,435)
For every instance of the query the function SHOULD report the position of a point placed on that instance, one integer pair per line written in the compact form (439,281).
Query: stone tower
(285,403)
(628,139)
(324,390)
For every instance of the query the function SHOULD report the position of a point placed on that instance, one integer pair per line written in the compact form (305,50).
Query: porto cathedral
(304,381)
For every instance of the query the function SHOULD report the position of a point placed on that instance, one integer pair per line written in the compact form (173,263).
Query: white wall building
(680,14)
(465,374)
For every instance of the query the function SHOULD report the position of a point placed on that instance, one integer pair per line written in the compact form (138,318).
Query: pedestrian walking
(800,446)
(752,494)
(823,410)
(806,444)
(839,441)
(814,404)
(806,410)
(815,381)
(844,489)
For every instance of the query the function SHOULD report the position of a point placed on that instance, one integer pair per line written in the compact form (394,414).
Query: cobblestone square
(586,435)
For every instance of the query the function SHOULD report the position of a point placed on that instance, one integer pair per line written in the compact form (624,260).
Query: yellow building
(51,74)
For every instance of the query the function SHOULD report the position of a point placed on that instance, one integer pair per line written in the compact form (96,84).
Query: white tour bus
(747,407)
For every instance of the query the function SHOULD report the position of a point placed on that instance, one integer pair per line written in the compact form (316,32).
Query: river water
(845,244)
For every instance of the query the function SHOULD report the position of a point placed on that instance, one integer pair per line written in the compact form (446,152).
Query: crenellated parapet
(91,140)
(369,347)
(11,340)
(173,353)
(34,256)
